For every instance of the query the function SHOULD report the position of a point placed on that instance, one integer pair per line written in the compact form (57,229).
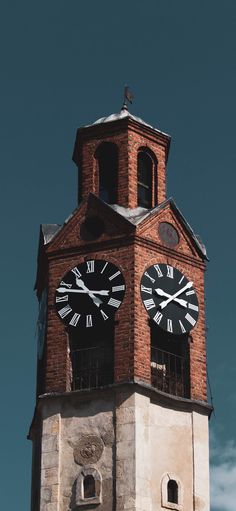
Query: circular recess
(168,234)
(92,228)
(89,449)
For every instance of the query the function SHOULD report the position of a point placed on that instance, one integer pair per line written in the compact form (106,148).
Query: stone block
(125,432)
(49,443)
(125,450)
(46,494)
(125,415)
(50,460)
(49,476)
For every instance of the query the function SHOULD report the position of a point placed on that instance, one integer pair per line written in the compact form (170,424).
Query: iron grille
(92,367)
(168,372)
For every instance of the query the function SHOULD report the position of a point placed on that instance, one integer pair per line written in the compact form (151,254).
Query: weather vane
(128,97)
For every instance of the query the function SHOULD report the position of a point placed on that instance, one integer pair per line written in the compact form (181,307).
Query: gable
(183,238)
(92,221)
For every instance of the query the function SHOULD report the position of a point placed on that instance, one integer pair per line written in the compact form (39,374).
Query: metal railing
(92,367)
(168,372)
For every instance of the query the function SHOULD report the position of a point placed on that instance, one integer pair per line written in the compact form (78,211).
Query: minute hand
(165,303)
(104,292)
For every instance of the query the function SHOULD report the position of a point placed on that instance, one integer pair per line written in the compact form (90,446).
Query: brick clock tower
(121,420)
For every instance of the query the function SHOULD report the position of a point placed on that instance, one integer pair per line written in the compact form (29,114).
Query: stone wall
(131,443)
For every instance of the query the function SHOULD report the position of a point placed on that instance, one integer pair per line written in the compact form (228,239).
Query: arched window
(172,491)
(107,158)
(89,487)
(145,180)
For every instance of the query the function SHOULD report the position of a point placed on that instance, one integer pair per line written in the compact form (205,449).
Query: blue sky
(63,65)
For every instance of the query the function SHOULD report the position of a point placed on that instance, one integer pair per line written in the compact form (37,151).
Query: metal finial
(128,97)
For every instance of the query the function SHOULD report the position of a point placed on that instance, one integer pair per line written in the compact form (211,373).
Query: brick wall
(129,136)
(129,249)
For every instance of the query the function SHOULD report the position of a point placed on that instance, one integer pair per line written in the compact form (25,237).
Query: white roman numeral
(66,310)
(76,272)
(75,318)
(115,275)
(158,317)
(182,278)
(182,327)
(190,319)
(118,288)
(149,304)
(64,284)
(193,307)
(90,266)
(103,315)
(146,289)
(191,292)
(169,325)
(62,298)
(158,269)
(149,277)
(114,303)
(170,271)
(104,267)
(89,320)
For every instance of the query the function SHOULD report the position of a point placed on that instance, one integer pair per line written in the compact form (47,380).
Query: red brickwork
(130,137)
(132,250)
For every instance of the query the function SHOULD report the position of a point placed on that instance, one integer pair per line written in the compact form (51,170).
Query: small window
(89,487)
(107,158)
(145,180)
(172,491)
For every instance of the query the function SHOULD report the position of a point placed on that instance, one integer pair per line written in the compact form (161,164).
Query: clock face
(90,294)
(169,298)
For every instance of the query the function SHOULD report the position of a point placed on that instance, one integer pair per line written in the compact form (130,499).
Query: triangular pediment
(93,221)
(187,242)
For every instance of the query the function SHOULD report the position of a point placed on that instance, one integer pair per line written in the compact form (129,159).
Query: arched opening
(107,161)
(172,491)
(89,487)
(92,356)
(169,362)
(145,180)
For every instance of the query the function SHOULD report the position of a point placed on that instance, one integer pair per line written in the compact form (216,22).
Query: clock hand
(103,292)
(160,292)
(80,283)
(165,303)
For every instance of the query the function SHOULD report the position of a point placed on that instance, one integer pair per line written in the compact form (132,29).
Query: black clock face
(90,294)
(169,298)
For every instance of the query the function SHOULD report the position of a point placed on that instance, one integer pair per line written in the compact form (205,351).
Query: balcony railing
(168,372)
(92,367)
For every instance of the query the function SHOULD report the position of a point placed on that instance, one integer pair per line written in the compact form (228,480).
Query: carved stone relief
(88,450)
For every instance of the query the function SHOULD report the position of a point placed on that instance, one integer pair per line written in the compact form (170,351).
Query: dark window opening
(145,175)
(172,491)
(107,157)
(92,357)
(169,362)
(89,487)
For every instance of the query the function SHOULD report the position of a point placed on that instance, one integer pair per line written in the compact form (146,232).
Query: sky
(64,64)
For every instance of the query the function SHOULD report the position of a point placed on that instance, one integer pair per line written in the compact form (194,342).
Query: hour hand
(173,297)
(96,301)
(182,302)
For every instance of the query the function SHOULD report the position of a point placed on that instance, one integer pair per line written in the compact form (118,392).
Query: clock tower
(121,416)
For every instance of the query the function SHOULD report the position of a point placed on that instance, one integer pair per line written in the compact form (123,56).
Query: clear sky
(64,64)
